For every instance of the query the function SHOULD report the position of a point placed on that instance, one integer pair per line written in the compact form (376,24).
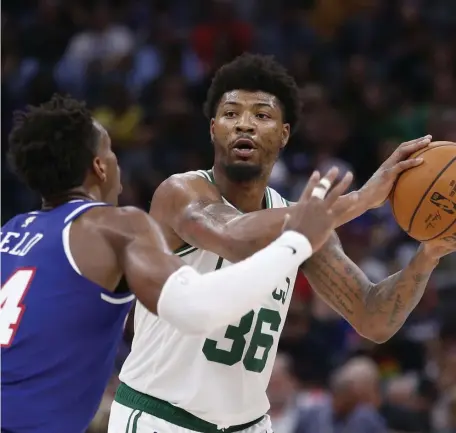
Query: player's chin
(249,159)
(242,171)
(246,162)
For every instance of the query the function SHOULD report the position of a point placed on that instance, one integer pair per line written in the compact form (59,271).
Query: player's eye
(230,114)
(263,116)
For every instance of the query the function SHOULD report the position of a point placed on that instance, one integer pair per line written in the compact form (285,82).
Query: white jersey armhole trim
(80,209)
(67,249)
(117,301)
(204,174)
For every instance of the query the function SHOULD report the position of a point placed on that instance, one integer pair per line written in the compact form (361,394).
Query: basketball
(424,197)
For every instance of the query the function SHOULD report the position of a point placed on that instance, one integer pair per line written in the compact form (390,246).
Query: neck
(246,196)
(74,194)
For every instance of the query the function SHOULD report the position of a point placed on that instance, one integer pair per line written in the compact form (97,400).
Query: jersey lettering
(281,295)
(25,243)
(12,295)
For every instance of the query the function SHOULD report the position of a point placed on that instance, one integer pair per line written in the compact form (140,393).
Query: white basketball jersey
(221,378)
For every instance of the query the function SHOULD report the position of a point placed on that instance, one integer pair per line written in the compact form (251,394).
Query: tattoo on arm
(210,214)
(376,310)
(215,213)
(222,229)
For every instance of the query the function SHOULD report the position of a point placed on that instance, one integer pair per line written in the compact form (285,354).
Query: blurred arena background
(372,73)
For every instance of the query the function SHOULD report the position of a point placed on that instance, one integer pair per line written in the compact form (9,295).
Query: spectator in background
(120,116)
(308,342)
(451,424)
(406,406)
(95,52)
(104,42)
(221,37)
(352,405)
(283,396)
(371,74)
(48,32)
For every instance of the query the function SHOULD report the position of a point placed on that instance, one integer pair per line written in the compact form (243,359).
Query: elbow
(376,332)
(378,337)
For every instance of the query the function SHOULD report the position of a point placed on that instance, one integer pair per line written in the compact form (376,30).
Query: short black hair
(52,146)
(256,72)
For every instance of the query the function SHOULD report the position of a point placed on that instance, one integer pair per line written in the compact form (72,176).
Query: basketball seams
(420,152)
(441,233)
(444,169)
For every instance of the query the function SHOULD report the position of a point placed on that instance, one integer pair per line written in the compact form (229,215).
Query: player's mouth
(244,147)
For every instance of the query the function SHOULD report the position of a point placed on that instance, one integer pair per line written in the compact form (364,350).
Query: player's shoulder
(111,224)
(185,188)
(189,180)
(115,218)
(17,218)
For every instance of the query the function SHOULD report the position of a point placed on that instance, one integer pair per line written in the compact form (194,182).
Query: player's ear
(212,129)
(99,168)
(285,134)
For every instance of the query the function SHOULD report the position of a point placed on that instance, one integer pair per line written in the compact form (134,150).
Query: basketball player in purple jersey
(61,316)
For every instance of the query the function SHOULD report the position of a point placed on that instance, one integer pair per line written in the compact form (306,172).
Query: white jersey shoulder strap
(276,199)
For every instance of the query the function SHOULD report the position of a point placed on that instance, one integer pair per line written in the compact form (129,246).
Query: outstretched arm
(127,241)
(190,207)
(376,311)
(194,210)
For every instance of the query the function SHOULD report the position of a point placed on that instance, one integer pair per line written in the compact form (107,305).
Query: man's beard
(242,172)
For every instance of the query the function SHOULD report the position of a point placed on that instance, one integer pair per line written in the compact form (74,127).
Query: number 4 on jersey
(11,308)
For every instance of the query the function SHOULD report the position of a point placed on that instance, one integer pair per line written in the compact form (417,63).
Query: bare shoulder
(180,190)
(118,223)
(177,197)
(100,237)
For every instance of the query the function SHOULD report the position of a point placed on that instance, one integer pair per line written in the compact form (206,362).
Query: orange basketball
(424,197)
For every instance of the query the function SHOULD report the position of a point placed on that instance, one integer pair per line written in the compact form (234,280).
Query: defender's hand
(379,186)
(313,214)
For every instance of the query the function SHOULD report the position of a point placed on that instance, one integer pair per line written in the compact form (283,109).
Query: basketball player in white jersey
(173,382)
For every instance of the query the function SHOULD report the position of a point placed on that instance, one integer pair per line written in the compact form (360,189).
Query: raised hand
(379,186)
(313,214)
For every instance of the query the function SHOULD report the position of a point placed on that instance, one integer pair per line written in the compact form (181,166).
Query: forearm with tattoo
(227,232)
(195,212)
(236,236)
(376,311)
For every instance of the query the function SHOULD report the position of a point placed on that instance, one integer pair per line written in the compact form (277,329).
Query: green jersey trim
(184,250)
(285,202)
(133,399)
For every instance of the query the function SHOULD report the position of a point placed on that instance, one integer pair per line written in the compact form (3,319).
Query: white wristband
(298,241)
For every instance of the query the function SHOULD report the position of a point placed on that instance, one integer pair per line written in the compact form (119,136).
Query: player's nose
(244,124)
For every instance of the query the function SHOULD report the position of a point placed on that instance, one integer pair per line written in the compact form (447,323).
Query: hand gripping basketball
(313,214)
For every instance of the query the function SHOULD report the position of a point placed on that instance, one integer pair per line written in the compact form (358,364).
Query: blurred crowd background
(372,74)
